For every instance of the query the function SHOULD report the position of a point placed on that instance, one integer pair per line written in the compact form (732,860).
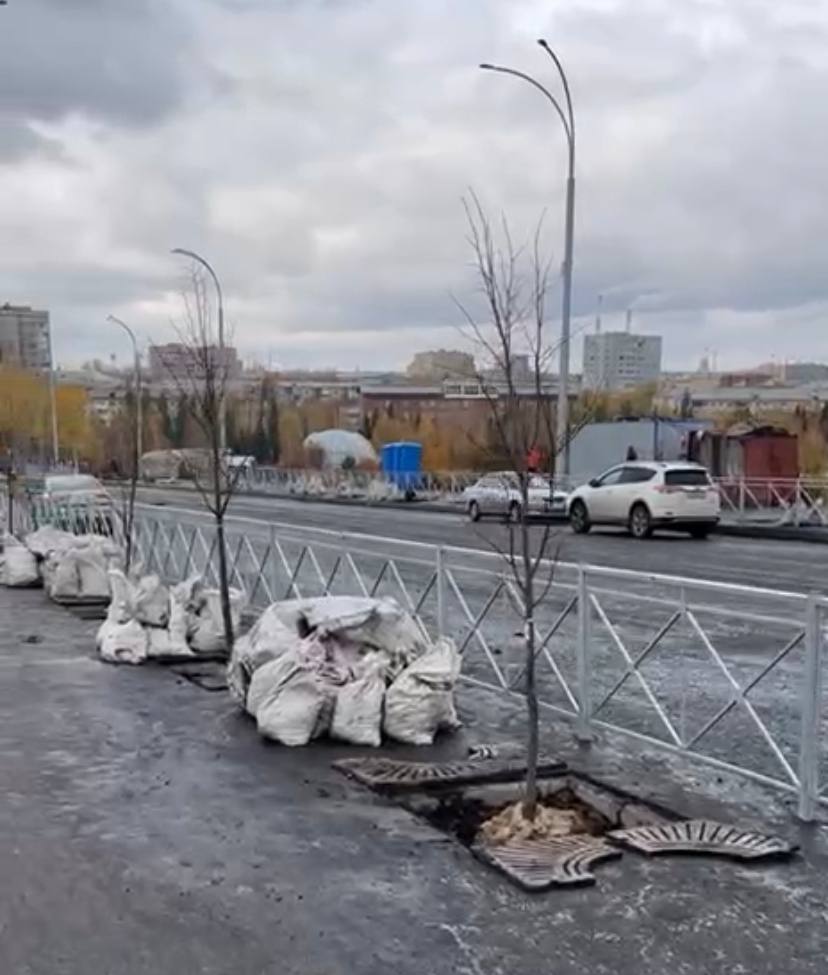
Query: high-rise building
(617,360)
(25,338)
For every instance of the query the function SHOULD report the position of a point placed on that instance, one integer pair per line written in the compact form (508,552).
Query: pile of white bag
(149,621)
(345,666)
(73,567)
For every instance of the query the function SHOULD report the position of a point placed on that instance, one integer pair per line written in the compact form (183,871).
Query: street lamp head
(487,67)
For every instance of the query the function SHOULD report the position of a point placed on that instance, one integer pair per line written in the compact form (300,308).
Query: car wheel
(474,511)
(641,525)
(699,531)
(514,512)
(579,518)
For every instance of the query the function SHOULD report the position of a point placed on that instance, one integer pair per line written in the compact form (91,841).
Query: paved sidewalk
(148,831)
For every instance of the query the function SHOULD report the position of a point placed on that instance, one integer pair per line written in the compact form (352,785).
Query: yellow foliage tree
(290,437)
(26,420)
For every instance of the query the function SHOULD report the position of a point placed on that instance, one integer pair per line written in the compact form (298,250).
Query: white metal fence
(727,675)
(368,485)
(20,514)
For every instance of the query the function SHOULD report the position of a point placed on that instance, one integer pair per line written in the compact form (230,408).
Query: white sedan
(499,494)
(643,496)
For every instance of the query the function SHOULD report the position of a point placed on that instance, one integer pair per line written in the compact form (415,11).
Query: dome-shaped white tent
(341,448)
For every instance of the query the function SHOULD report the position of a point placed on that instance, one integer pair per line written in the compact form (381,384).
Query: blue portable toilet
(401,464)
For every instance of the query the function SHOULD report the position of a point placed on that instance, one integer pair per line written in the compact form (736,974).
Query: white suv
(648,495)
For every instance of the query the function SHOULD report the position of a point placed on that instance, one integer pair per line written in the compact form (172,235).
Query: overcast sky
(317,152)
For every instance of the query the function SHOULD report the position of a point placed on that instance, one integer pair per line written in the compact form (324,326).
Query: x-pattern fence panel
(727,675)
(704,678)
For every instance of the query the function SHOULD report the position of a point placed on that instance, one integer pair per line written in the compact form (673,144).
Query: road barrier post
(440,576)
(273,566)
(811,700)
(583,729)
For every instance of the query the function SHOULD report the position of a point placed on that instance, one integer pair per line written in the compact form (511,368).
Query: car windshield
(69,483)
(691,477)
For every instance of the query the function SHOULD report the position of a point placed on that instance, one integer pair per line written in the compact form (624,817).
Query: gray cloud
(317,152)
(122,61)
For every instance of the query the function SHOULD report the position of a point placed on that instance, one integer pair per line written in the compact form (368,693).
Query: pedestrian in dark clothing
(632,454)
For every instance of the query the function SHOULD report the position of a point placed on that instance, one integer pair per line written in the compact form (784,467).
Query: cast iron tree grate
(702,836)
(539,864)
(395,775)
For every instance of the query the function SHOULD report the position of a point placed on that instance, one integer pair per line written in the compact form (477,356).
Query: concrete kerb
(779,533)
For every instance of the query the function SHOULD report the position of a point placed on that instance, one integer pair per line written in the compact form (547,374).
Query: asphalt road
(772,564)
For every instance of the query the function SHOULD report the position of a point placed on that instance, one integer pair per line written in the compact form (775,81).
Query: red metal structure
(763,461)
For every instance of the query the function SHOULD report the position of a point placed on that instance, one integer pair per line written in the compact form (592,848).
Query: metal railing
(21,514)
(801,501)
(780,501)
(726,675)
(366,485)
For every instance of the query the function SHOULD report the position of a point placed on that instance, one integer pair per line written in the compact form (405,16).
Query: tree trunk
(224,584)
(133,488)
(10,485)
(530,800)
(221,545)
(130,519)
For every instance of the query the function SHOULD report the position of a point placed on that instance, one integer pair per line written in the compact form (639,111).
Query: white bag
(289,701)
(19,565)
(120,598)
(122,643)
(266,641)
(48,539)
(171,641)
(206,630)
(61,575)
(179,622)
(364,622)
(357,713)
(92,571)
(152,602)
(420,702)
(161,644)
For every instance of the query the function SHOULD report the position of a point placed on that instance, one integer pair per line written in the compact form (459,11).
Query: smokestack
(629,320)
(598,315)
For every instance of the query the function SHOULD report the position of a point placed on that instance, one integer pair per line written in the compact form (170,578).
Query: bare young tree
(511,325)
(129,490)
(202,375)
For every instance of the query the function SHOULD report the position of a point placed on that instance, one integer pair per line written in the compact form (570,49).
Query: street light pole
(567,118)
(209,268)
(139,406)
